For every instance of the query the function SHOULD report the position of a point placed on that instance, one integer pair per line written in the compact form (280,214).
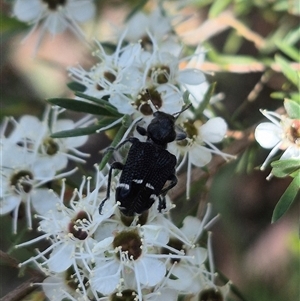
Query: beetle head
(162,129)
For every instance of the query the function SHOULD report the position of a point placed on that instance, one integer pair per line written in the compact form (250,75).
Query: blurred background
(261,259)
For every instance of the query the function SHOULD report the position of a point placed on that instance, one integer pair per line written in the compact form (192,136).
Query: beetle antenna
(150,102)
(184,109)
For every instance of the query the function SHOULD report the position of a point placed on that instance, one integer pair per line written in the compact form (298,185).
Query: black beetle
(148,166)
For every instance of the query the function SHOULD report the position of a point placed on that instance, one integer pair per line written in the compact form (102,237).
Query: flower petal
(214,130)
(44,200)
(268,134)
(82,11)
(106,277)
(61,258)
(27,10)
(150,271)
(9,203)
(191,76)
(199,156)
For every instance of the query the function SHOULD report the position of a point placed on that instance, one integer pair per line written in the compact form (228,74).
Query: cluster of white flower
(54,16)
(108,256)
(101,257)
(282,133)
(31,159)
(151,69)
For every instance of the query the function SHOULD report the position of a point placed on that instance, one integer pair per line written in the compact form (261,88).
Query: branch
(26,287)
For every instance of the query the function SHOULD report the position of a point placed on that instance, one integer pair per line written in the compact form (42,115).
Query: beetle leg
(174,181)
(115,165)
(161,203)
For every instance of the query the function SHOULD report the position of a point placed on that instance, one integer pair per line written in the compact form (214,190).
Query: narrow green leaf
(75,86)
(101,102)
(278,95)
(80,106)
(199,111)
(286,199)
(284,168)
(103,122)
(233,43)
(293,36)
(217,7)
(76,132)
(295,96)
(289,50)
(289,73)
(292,108)
(115,141)
(136,9)
(186,96)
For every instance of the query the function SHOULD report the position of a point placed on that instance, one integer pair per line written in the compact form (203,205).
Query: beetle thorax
(161,129)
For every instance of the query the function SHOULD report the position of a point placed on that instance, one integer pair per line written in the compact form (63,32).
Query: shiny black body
(148,167)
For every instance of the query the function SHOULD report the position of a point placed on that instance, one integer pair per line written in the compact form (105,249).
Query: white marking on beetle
(123,185)
(137,181)
(149,186)
(153,197)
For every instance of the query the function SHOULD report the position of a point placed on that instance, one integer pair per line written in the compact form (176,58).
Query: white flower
(163,67)
(198,147)
(282,133)
(144,27)
(23,174)
(66,285)
(69,229)
(190,273)
(54,16)
(35,135)
(129,256)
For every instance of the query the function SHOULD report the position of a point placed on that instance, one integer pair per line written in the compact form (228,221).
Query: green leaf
(295,96)
(284,168)
(293,36)
(199,111)
(11,24)
(287,70)
(286,199)
(289,50)
(104,122)
(103,103)
(292,108)
(217,7)
(185,97)
(136,9)
(80,106)
(75,86)
(233,43)
(125,124)
(278,95)
(76,132)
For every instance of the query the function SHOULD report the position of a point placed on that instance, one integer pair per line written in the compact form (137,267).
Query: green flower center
(160,73)
(142,101)
(126,295)
(130,243)
(75,226)
(50,146)
(191,132)
(109,77)
(210,295)
(294,134)
(21,180)
(71,280)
